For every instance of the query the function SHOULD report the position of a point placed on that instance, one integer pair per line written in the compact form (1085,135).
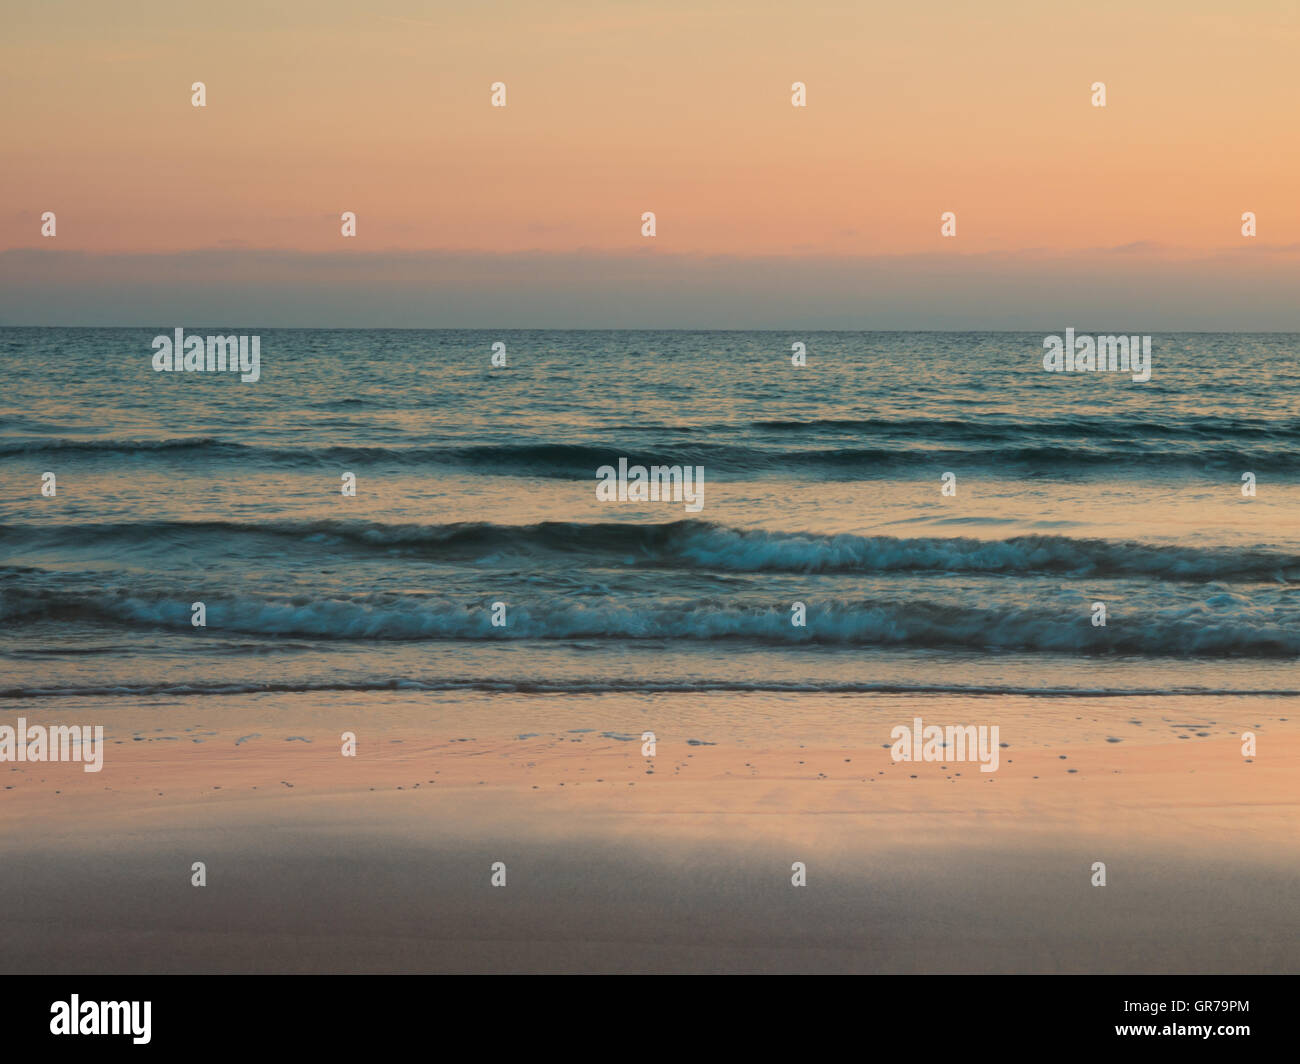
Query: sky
(767,215)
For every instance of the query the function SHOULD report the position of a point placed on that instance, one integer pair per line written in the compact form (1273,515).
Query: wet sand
(615,862)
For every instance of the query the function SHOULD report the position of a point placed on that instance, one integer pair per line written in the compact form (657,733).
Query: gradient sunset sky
(768,215)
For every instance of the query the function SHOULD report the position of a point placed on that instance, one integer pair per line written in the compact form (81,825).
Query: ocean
(476,556)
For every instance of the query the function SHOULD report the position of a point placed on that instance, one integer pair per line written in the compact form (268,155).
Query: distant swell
(996,430)
(579,461)
(691,544)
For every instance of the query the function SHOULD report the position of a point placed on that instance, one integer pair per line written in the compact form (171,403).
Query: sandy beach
(617,862)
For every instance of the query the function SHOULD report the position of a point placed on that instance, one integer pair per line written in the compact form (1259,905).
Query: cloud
(1249,290)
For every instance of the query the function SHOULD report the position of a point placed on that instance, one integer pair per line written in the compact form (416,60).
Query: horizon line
(640,329)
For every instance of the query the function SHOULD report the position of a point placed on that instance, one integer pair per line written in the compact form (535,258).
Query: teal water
(476,485)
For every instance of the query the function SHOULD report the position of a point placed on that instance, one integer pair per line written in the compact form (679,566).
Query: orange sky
(678,106)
